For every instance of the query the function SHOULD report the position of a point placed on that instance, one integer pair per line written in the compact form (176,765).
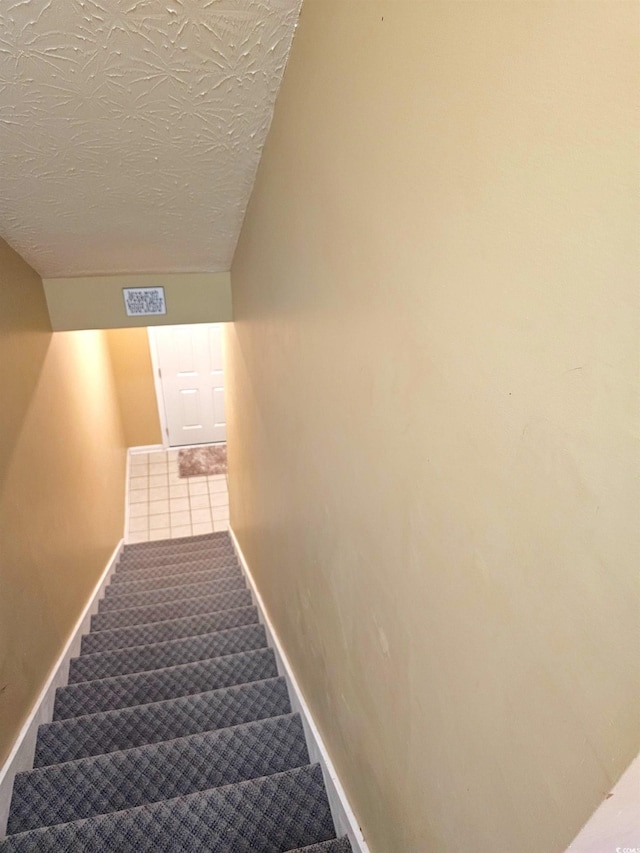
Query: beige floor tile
(199,501)
(200,516)
(178,504)
(178,519)
(198,489)
(139,458)
(163,533)
(163,505)
(159,493)
(178,490)
(138,510)
(201,529)
(138,537)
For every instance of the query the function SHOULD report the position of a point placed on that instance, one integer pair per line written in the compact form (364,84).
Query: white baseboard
(146,448)
(21,756)
(343,817)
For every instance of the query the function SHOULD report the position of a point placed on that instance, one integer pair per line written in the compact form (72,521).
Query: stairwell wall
(133,374)
(62,469)
(433,414)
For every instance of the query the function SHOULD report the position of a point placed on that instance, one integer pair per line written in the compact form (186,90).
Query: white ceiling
(131,130)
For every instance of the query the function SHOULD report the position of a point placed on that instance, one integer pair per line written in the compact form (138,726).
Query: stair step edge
(233,616)
(96,658)
(47,796)
(143,721)
(240,598)
(179,593)
(138,688)
(146,828)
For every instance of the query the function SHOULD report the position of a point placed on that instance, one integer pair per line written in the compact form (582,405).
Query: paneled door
(190,373)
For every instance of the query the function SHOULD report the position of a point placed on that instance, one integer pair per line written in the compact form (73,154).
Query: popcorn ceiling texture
(131,132)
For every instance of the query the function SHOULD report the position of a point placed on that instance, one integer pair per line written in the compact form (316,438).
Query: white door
(189,362)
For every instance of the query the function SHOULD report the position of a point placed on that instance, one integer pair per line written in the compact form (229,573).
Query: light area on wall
(133,373)
(74,394)
(61,500)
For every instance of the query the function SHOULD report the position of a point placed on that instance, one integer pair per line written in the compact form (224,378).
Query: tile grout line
(147,467)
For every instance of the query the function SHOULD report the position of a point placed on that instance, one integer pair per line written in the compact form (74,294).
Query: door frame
(157,382)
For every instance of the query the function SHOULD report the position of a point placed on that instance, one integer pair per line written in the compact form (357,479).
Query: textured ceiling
(131,130)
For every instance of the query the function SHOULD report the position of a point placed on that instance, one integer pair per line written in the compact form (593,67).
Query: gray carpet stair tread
(140,598)
(170,610)
(175,732)
(122,691)
(172,548)
(124,728)
(172,571)
(276,813)
(170,629)
(126,574)
(169,653)
(120,780)
(168,563)
(336,845)
(175,546)
(183,544)
(165,567)
(201,575)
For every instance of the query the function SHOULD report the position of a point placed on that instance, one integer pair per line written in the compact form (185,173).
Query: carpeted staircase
(175,732)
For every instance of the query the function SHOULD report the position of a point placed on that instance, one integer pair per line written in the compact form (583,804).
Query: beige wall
(62,463)
(133,374)
(97,302)
(433,411)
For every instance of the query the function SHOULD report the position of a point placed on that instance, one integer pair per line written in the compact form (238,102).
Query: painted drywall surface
(615,825)
(433,418)
(97,302)
(62,466)
(132,131)
(133,376)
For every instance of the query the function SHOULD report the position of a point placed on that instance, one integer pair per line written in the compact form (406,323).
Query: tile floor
(163,505)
